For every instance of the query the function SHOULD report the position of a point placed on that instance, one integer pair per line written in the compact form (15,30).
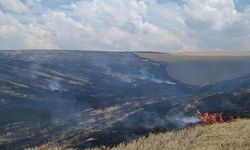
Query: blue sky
(146,25)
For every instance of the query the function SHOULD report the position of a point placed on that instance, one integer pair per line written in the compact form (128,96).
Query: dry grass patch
(227,136)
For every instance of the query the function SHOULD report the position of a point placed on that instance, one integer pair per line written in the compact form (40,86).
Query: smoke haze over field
(84,99)
(142,25)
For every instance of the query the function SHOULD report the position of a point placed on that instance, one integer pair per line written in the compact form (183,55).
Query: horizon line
(187,52)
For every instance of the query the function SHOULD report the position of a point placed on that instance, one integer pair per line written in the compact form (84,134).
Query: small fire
(208,119)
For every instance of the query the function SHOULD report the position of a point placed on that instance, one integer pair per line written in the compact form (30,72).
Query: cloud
(217,25)
(117,28)
(125,25)
(66,32)
(15,6)
(15,35)
(33,2)
(215,14)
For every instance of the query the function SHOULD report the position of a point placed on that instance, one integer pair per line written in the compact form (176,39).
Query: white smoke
(54,85)
(132,78)
(190,119)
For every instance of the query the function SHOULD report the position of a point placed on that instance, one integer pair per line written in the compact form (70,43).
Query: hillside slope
(202,69)
(84,99)
(234,135)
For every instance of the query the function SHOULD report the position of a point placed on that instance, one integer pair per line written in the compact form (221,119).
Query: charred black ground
(85,99)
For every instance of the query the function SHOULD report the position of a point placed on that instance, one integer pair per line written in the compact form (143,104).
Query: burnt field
(82,99)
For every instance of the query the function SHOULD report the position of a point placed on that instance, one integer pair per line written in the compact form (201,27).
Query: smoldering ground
(87,99)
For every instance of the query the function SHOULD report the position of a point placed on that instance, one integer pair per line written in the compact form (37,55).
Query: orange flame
(208,119)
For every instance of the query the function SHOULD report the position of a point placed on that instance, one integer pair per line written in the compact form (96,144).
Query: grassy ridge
(227,136)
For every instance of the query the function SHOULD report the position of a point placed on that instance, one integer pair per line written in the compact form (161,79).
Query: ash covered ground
(84,99)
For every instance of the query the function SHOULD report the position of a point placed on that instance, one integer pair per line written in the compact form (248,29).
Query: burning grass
(208,119)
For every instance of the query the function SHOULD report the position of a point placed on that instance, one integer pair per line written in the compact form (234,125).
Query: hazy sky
(155,25)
